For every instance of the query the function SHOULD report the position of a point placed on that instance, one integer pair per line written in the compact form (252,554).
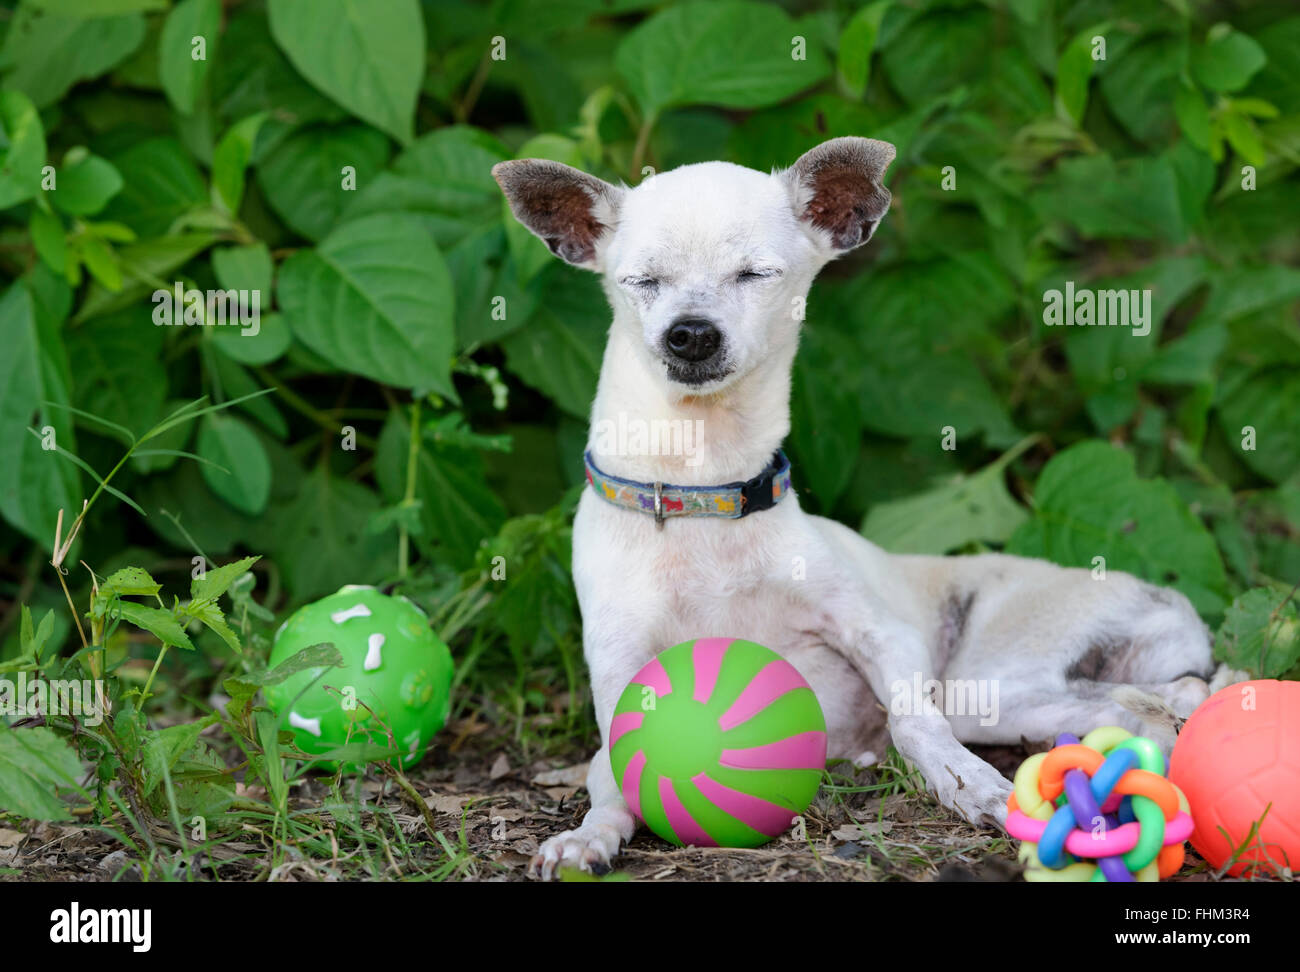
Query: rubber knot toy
(1098,810)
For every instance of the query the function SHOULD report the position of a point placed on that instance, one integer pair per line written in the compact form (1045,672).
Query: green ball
(396,676)
(718,742)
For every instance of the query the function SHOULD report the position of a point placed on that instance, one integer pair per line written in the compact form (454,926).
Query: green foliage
(406,406)
(1261,634)
(675,57)
(1089,503)
(32,763)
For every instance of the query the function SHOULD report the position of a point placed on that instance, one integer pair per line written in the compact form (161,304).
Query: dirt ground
(495,814)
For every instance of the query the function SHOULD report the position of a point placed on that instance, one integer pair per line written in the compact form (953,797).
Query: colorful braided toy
(1102,800)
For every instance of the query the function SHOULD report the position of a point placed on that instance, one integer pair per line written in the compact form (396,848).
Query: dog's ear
(570,211)
(838,188)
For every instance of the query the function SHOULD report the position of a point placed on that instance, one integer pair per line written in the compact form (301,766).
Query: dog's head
(709,262)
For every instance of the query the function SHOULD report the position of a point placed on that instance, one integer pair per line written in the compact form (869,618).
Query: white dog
(706,268)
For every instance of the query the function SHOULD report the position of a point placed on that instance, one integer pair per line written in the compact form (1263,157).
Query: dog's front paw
(590,848)
(979,794)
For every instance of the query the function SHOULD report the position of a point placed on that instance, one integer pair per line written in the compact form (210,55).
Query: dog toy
(396,676)
(1102,800)
(718,742)
(1238,760)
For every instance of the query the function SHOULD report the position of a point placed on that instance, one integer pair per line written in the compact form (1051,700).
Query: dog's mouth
(697,373)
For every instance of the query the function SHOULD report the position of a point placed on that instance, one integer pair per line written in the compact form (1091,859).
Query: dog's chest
(694,578)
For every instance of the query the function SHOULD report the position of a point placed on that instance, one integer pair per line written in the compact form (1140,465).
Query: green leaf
(544,19)
(321,541)
(100,260)
(271,340)
(238,384)
(1140,83)
(1074,71)
(1261,634)
(85,184)
(172,441)
(252,75)
(1228,59)
(230,159)
(375,298)
(142,264)
(197,409)
(368,56)
(1268,402)
(1244,137)
(483,271)
(558,351)
(1134,199)
(210,524)
(201,785)
(180,72)
(936,53)
(1190,360)
(249,269)
(33,762)
(445,178)
(22,149)
(96,8)
(163,747)
(34,482)
(728,53)
(163,625)
(1193,116)
(33,642)
(457,507)
(970,509)
(913,324)
(776,137)
(244,477)
(303,178)
(49,239)
(1089,502)
(1278,80)
(211,584)
(127,582)
(826,423)
(124,381)
(162,184)
(535,607)
(244,687)
(857,41)
(244,268)
(1106,362)
(211,617)
(1243,290)
(47,53)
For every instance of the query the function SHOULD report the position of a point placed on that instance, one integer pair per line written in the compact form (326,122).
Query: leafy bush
(412,406)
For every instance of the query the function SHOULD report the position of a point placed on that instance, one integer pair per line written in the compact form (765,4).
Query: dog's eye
(641,283)
(756,274)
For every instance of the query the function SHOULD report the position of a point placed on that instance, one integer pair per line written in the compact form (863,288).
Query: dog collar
(662,500)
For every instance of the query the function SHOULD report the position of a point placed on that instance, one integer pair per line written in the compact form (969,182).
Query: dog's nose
(693,338)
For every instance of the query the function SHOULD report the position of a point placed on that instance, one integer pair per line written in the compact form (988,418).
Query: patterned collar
(661,500)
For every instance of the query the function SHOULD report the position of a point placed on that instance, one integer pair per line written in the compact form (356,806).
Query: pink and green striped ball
(718,742)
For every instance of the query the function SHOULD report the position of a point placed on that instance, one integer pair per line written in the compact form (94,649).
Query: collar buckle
(659,506)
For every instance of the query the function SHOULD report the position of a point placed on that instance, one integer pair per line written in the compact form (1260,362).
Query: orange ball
(1237,754)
